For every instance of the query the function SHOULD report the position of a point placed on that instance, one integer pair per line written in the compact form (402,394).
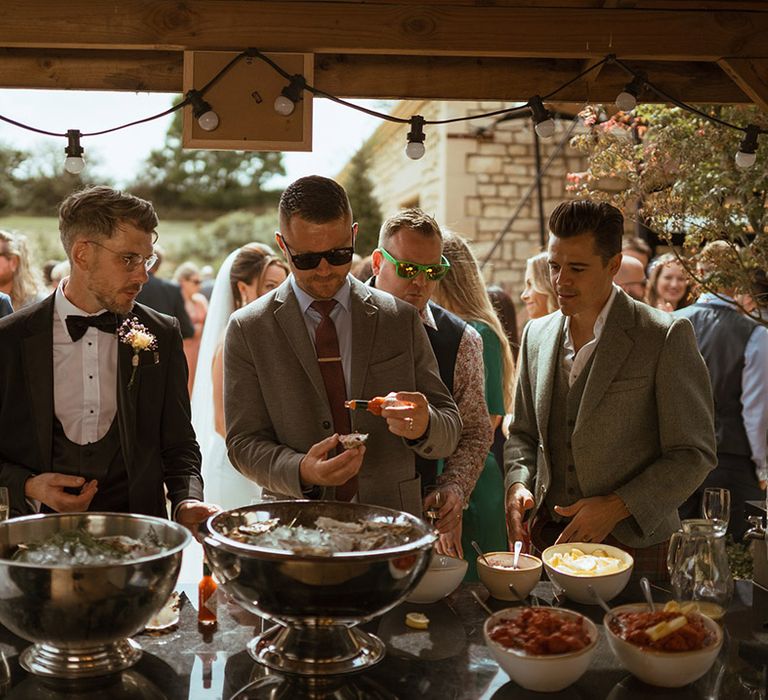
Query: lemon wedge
(417,621)
(662,629)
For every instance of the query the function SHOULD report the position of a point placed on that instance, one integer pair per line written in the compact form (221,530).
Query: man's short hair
(604,221)
(96,212)
(315,199)
(638,245)
(414,219)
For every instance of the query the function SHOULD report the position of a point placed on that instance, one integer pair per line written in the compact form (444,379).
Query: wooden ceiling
(696,50)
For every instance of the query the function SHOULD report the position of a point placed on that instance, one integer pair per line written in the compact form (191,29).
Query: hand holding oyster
(353,440)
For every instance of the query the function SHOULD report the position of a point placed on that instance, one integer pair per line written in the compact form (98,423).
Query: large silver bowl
(316,600)
(80,618)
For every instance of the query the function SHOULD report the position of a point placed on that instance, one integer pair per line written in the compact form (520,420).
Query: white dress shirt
(575,362)
(84,375)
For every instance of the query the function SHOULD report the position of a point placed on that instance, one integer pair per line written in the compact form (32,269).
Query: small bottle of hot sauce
(206,598)
(375,404)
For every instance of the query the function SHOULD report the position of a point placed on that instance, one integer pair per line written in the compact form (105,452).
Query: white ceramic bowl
(544,674)
(441,579)
(497,580)
(664,668)
(575,587)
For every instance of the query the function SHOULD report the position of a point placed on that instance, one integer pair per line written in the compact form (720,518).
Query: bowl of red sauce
(541,649)
(664,648)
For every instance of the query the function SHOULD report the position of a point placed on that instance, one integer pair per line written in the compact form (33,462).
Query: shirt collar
(427,317)
(64,307)
(602,317)
(343,296)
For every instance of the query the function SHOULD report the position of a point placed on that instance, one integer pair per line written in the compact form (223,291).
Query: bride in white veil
(224,485)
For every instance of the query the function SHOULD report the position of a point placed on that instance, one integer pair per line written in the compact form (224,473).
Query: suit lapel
(545,372)
(127,396)
(288,316)
(364,317)
(613,348)
(38,370)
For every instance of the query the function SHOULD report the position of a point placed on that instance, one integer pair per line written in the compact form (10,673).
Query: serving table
(448,660)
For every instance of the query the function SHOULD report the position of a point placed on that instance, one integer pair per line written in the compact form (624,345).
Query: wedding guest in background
(669,287)
(110,411)
(507,314)
(362,269)
(59,272)
(46,272)
(247,273)
(408,263)
(19,278)
(640,250)
(207,276)
(462,291)
(538,296)
(6,308)
(735,349)
(187,276)
(165,296)
(631,277)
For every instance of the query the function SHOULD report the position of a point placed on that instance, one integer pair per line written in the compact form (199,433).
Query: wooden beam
(375,77)
(751,75)
(413,29)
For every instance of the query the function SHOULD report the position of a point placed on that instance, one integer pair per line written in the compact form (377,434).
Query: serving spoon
(599,600)
(518,549)
(645,586)
(476,547)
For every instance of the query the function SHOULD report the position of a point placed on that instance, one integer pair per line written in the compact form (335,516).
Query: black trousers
(737,474)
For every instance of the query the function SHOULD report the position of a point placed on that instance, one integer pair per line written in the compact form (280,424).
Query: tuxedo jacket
(645,424)
(276,406)
(156,438)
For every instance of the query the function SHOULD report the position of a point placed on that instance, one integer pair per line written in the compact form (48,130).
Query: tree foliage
(178,179)
(365,206)
(676,172)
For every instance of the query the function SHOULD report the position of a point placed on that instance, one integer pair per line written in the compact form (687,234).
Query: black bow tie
(78,325)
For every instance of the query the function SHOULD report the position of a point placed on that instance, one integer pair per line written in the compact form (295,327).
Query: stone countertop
(447,661)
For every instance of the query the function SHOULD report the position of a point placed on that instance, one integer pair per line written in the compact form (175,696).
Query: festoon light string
(293,92)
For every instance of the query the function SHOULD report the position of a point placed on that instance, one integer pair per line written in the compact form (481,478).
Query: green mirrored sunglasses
(409,270)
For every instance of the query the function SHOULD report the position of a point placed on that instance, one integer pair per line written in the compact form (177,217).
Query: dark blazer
(156,437)
(645,426)
(6,308)
(165,297)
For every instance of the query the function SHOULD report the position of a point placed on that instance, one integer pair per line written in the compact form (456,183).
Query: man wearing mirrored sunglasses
(294,355)
(87,422)
(409,264)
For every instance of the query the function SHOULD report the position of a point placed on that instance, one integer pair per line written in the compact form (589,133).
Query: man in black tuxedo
(165,296)
(89,421)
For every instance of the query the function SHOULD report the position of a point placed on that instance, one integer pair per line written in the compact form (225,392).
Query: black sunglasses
(309,261)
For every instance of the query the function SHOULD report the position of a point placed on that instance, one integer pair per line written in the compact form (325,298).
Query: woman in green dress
(462,291)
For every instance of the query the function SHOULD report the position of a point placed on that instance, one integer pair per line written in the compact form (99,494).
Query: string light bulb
(290,96)
(74,162)
(626,100)
(542,119)
(747,154)
(207,119)
(415,149)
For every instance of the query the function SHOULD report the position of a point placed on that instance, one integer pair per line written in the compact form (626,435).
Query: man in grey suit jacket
(613,425)
(280,422)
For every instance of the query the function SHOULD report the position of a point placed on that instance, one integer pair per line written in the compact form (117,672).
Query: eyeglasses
(309,261)
(130,260)
(411,270)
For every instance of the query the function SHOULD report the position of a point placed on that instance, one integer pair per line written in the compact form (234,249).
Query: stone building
(473,182)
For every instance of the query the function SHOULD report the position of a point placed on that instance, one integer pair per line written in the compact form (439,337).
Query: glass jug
(698,564)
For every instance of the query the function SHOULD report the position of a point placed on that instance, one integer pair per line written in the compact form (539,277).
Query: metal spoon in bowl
(518,549)
(481,603)
(476,547)
(645,586)
(599,600)
(520,599)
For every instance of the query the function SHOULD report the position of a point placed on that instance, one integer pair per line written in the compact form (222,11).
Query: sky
(337,131)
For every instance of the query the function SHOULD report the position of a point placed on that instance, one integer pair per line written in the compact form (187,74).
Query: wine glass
(4,505)
(716,506)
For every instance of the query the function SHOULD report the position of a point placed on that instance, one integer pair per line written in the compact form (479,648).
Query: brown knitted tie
(329,359)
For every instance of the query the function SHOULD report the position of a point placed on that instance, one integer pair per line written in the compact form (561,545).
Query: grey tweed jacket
(276,407)
(645,426)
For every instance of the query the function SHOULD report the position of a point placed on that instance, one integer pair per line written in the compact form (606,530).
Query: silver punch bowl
(316,600)
(81,618)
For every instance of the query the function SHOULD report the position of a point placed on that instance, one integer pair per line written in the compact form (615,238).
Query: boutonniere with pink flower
(139,339)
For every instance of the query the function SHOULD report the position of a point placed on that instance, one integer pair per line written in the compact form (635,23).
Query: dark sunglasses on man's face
(309,261)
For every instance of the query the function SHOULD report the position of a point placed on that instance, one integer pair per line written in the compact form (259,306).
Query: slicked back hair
(604,221)
(414,219)
(96,212)
(315,199)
